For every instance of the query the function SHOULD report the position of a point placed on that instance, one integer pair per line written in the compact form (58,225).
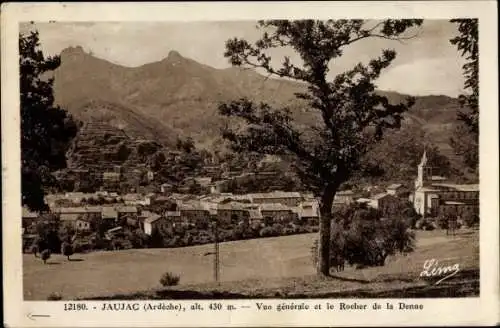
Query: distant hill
(179,96)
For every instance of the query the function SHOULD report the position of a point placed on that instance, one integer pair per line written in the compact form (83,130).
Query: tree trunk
(325,230)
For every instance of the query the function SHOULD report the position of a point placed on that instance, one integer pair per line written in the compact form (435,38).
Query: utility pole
(216,250)
(215,253)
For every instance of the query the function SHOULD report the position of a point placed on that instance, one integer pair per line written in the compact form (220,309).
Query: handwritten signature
(433,269)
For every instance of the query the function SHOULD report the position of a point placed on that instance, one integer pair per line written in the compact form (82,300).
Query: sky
(426,64)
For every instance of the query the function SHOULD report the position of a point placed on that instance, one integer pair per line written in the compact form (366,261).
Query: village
(109,216)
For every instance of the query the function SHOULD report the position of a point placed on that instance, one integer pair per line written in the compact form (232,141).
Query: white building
(432,193)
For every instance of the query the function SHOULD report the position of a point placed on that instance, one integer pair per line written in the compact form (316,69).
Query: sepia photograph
(284,159)
(244,159)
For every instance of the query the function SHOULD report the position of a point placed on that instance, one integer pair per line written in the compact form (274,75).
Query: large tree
(352,116)
(466,137)
(46,130)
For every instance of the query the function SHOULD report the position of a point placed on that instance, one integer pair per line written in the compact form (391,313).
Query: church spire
(423,161)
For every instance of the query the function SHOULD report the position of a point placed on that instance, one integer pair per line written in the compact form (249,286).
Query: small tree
(45,255)
(351,115)
(67,249)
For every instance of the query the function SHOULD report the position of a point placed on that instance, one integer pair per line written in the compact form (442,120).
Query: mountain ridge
(179,96)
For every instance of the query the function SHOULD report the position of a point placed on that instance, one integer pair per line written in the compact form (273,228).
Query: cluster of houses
(432,196)
(225,208)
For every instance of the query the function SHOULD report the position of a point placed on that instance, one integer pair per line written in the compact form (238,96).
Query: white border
(480,311)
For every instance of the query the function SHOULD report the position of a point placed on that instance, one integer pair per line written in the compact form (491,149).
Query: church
(435,197)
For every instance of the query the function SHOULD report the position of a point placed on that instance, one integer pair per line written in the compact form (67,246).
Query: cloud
(438,76)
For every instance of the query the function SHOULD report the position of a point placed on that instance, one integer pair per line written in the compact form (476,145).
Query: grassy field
(268,267)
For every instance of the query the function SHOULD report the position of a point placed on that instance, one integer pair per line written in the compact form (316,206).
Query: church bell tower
(424,172)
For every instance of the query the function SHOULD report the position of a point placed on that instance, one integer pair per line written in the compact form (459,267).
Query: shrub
(188,239)
(267,232)
(77,247)
(432,226)
(279,229)
(117,245)
(34,250)
(425,224)
(169,279)
(45,255)
(54,297)
(398,236)
(471,220)
(67,249)
(368,243)
(443,222)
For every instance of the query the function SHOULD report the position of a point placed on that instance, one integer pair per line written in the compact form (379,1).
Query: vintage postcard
(250,164)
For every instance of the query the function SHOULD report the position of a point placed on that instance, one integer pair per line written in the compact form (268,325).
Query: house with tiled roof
(69,215)
(277,212)
(309,212)
(232,212)
(255,217)
(174,217)
(154,221)
(193,212)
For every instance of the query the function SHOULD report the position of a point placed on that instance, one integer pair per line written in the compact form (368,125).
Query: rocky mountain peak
(174,56)
(73,51)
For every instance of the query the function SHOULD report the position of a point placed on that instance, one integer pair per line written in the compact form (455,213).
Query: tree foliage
(353,116)
(46,129)
(67,249)
(360,237)
(467,45)
(45,255)
(398,154)
(466,137)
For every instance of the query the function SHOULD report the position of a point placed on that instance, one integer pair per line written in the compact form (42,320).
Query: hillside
(178,96)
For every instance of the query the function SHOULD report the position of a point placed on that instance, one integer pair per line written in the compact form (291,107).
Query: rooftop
(172,213)
(379,196)
(69,216)
(87,209)
(126,209)
(232,206)
(345,193)
(28,214)
(394,186)
(191,207)
(276,194)
(274,207)
(458,187)
(152,218)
